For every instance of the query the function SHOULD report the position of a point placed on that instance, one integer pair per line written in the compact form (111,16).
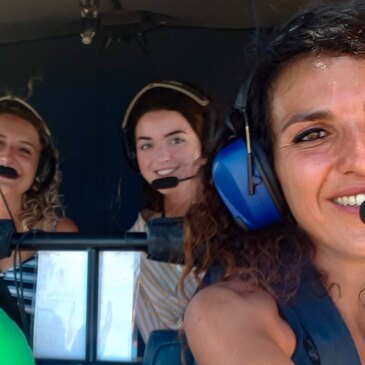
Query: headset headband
(28,107)
(172,85)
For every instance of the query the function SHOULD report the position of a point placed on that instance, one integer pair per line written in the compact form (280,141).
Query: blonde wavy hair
(41,204)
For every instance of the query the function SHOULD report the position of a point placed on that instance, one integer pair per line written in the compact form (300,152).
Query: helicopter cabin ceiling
(28,20)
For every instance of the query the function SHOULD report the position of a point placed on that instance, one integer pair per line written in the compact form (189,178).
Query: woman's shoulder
(234,295)
(143,217)
(66,224)
(138,225)
(226,313)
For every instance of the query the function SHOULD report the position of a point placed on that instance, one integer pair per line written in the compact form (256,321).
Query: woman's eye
(310,135)
(145,146)
(177,140)
(25,151)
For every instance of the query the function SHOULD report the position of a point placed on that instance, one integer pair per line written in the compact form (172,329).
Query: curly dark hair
(271,258)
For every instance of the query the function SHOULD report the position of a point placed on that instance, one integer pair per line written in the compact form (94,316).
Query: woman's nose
(162,154)
(351,154)
(6,154)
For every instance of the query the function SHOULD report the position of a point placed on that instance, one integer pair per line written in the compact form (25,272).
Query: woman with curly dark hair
(293,293)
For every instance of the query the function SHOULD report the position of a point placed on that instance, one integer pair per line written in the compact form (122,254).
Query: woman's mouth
(164,172)
(8,172)
(350,200)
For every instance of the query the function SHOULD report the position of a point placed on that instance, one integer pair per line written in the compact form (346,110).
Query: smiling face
(318,122)
(20,149)
(166,145)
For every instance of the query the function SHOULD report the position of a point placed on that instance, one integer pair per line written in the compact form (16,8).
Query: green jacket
(14,348)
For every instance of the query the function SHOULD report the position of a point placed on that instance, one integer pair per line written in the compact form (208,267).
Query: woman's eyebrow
(174,132)
(28,143)
(23,141)
(306,117)
(177,131)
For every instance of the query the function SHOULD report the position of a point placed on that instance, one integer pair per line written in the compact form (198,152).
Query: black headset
(47,165)
(190,92)
(243,175)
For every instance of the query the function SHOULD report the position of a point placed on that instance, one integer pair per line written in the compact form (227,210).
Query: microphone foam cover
(165,183)
(8,171)
(362,212)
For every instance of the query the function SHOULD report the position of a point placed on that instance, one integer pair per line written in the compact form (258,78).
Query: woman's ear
(199,162)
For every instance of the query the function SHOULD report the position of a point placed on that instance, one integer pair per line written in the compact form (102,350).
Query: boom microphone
(362,211)
(168,182)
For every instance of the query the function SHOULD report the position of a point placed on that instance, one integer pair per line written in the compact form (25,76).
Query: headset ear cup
(268,176)
(211,130)
(129,148)
(46,169)
(264,207)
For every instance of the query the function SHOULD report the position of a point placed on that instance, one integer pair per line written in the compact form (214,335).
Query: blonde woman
(29,183)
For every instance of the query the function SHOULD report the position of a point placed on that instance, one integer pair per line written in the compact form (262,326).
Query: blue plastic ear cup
(265,206)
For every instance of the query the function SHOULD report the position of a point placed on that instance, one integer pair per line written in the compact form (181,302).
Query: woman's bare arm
(225,326)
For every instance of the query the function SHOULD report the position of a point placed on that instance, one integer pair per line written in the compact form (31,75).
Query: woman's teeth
(164,172)
(350,200)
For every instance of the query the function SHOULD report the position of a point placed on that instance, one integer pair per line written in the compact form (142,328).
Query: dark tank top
(321,333)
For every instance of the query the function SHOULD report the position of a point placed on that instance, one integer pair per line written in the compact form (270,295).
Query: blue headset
(243,177)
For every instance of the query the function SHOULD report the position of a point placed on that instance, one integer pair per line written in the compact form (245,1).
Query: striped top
(28,279)
(29,276)
(160,302)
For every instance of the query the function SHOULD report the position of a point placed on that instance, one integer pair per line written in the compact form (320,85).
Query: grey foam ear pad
(6,233)
(8,172)
(362,212)
(46,168)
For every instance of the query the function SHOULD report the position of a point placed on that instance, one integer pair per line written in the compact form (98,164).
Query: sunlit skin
(318,122)
(318,119)
(167,145)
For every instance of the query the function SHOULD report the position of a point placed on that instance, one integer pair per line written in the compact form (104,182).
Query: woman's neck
(176,207)
(346,273)
(345,283)
(177,204)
